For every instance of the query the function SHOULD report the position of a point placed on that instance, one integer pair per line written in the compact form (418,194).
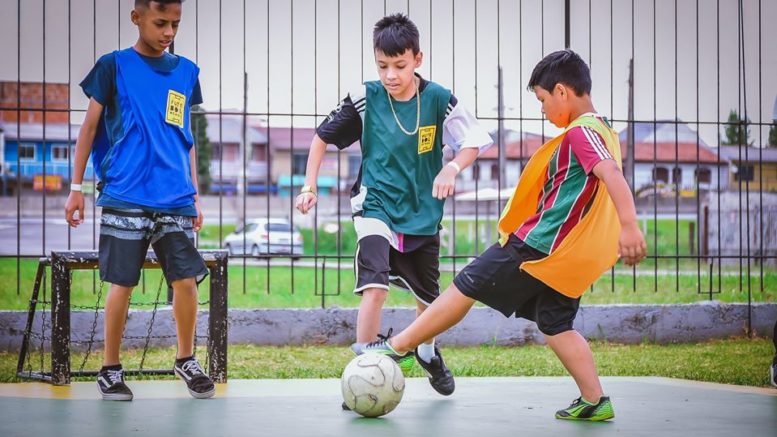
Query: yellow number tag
(426,139)
(175,108)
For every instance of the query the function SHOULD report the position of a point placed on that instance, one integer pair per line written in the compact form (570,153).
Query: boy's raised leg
(445,312)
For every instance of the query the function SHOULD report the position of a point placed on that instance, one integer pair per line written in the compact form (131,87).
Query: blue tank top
(149,165)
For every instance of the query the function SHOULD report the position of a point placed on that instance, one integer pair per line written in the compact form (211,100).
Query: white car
(263,237)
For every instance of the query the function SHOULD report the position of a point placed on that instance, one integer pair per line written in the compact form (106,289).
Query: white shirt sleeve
(462,130)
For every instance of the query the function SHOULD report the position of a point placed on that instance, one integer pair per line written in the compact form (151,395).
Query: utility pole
(501,133)
(241,191)
(629,163)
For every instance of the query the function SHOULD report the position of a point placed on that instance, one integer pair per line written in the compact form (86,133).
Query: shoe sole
(114,396)
(203,395)
(585,419)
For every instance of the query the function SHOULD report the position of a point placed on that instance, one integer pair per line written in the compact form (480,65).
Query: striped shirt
(568,189)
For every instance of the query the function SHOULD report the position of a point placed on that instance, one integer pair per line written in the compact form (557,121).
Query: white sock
(426,351)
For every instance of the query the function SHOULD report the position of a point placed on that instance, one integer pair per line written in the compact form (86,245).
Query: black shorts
(416,269)
(495,279)
(125,236)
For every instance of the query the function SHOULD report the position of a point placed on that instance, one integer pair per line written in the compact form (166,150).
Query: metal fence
(685,82)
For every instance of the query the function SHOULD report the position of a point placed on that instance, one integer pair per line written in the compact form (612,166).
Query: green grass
(710,361)
(669,238)
(272,287)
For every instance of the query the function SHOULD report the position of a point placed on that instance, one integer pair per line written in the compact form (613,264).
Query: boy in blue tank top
(402,122)
(138,133)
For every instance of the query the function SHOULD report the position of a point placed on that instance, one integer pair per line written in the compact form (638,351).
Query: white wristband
(75,187)
(455,165)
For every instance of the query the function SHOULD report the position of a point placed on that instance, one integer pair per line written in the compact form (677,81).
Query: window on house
(494,172)
(59,152)
(677,175)
(660,174)
(27,151)
(259,152)
(475,171)
(703,175)
(744,173)
(299,163)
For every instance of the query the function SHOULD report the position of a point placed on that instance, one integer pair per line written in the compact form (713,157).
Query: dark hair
(394,34)
(163,3)
(565,67)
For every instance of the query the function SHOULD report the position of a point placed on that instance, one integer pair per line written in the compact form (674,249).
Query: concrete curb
(616,323)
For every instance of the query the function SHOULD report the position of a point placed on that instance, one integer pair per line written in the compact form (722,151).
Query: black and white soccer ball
(372,385)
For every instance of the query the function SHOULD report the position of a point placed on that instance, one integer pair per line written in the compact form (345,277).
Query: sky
(302,56)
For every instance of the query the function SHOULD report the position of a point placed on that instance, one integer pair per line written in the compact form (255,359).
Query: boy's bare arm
(306,201)
(196,221)
(445,181)
(75,200)
(631,244)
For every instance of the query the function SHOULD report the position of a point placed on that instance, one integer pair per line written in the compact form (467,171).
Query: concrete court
(520,406)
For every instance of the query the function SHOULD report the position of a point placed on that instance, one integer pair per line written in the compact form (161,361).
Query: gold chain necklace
(418,111)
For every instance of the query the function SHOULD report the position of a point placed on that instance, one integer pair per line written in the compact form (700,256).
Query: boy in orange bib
(570,218)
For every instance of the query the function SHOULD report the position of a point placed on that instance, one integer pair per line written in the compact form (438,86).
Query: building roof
(754,154)
(35,131)
(281,138)
(665,148)
(518,145)
(667,141)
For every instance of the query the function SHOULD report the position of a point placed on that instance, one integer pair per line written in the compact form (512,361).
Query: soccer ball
(372,385)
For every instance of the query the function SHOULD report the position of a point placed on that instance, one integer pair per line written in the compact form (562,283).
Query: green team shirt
(398,170)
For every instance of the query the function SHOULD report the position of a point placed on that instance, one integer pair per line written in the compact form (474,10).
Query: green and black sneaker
(583,410)
(382,346)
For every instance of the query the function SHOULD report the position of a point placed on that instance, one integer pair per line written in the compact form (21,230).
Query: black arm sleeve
(343,126)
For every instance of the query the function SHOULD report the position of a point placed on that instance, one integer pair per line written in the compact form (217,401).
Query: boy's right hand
(306,202)
(74,204)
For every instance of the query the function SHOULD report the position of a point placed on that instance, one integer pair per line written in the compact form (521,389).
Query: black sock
(112,367)
(183,360)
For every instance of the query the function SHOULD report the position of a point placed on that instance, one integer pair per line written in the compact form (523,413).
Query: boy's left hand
(197,221)
(444,182)
(631,245)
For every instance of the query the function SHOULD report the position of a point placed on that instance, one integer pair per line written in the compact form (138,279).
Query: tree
(773,135)
(201,141)
(737,130)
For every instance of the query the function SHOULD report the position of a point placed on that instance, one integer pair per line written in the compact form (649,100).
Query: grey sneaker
(199,384)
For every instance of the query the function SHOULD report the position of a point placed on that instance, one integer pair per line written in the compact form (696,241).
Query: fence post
(217,320)
(60,320)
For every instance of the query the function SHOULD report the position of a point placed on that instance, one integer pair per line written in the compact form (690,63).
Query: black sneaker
(440,377)
(110,383)
(199,384)
(773,372)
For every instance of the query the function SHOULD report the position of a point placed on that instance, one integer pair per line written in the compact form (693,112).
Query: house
(665,153)
(519,147)
(37,142)
(289,157)
(227,171)
(40,153)
(755,168)
(669,153)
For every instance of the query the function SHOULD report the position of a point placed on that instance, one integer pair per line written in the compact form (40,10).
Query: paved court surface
(480,407)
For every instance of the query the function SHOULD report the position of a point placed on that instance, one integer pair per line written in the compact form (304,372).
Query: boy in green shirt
(402,121)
